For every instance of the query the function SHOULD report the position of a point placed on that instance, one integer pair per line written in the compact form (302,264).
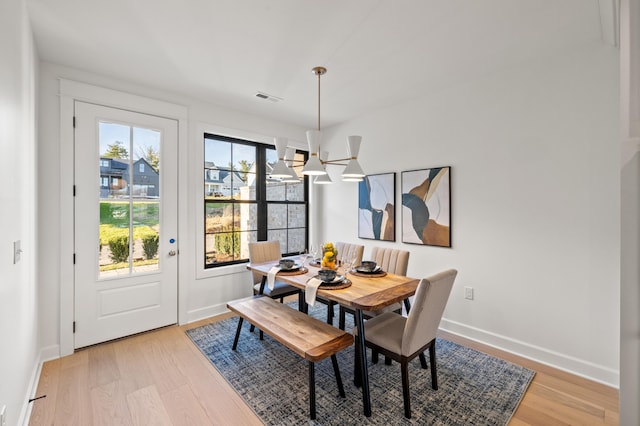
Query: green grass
(125,265)
(116,213)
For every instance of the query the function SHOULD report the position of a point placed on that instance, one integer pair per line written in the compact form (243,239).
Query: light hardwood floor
(161,378)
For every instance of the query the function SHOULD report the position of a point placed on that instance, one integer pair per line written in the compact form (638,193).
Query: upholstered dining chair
(345,251)
(394,261)
(264,251)
(402,339)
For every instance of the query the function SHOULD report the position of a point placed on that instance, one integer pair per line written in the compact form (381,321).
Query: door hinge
(74,326)
(74,190)
(74,258)
(74,121)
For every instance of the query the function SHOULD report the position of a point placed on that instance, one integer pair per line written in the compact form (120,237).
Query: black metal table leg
(235,341)
(364,370)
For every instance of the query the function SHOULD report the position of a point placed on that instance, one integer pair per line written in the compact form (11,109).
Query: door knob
(172,252)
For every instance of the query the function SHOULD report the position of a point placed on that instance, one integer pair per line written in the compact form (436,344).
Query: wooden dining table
(366,293)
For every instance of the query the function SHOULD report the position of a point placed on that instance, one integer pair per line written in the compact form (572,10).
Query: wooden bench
(308,337)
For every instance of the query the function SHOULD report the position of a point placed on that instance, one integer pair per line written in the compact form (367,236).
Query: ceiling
(378,53)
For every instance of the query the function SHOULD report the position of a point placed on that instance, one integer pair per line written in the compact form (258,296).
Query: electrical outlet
(468,293)
(3,416)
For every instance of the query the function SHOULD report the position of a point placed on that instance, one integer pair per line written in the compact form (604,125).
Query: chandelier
(316,164)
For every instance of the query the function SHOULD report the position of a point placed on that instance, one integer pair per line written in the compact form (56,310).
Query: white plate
(375,271)
(338,279)
(295,267)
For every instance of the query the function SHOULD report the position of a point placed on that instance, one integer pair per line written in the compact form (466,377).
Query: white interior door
(125,223)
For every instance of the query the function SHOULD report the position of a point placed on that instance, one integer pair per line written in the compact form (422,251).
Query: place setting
(291,267)
(368,269)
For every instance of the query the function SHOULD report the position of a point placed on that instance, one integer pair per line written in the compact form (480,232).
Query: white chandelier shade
(289,156)
(313,166)
(353,172)
(324,179)
(281,170)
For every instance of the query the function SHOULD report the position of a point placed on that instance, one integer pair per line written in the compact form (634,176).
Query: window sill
(202,274)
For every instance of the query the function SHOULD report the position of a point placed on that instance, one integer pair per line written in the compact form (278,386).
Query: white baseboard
(49,353)
(576,366)
(46,354)
(206,312)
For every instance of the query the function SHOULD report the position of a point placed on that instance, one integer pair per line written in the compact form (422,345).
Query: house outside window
(141,167)
(243,204)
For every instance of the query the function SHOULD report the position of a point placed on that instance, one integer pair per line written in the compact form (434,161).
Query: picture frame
(426,206)
(376,207)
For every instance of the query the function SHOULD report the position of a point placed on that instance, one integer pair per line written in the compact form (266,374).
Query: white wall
(18,292)
(535,182)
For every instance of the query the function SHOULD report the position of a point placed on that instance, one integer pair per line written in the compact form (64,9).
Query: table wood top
(366,293)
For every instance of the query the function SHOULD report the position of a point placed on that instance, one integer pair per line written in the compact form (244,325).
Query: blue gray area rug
(474,388)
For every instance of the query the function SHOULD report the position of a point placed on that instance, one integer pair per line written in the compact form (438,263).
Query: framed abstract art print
(376,207)
(426,207)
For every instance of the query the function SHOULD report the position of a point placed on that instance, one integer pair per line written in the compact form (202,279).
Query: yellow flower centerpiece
(329,256)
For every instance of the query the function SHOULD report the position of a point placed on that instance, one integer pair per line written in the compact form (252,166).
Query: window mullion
(261,191)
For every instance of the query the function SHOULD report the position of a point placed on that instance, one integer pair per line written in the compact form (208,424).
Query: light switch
(17,251)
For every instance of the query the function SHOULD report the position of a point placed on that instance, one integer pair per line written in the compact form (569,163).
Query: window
(141,168)
(104,163)
(104,182)
(242,204)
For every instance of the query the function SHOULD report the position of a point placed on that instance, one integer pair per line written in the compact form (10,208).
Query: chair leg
(407,305)
(404,368)
(342,318)
(235,341)
(387,360)
(336,370)
(312,390)
(423,361)
(374,356)
(432,361)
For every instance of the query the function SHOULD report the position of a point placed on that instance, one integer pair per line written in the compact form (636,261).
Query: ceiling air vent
(268,97)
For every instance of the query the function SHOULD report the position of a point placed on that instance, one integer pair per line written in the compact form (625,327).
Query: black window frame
(260,199)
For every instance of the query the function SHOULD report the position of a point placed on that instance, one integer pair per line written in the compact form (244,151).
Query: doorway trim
(69,92)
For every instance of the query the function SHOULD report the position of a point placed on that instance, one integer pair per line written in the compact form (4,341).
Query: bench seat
(306,336)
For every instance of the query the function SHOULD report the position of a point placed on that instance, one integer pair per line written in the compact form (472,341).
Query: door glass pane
(129,186)
(146,199)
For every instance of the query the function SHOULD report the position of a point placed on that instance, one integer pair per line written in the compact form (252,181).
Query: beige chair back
(427,309)
(393,261)
(347,250)
(263,251)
